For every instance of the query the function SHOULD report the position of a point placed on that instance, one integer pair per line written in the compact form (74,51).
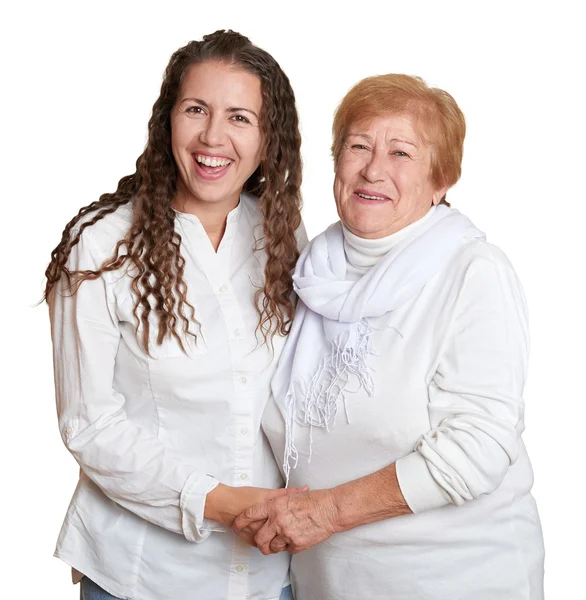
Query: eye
(240,119)
(195,110)
(358,147)
(400,153)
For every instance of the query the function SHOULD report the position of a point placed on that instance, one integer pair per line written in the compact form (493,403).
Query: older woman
(399,393)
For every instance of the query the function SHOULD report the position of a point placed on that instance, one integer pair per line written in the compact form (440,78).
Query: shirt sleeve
(476,404)
(126,461)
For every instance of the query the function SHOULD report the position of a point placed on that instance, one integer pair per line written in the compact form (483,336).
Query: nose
(375,168)
(213,132)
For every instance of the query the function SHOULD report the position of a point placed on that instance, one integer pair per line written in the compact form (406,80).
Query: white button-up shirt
(154,434)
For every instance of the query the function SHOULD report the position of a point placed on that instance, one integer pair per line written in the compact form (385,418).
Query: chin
(211,194)
(364,227)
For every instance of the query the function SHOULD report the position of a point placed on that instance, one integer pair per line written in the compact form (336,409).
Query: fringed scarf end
(318,405)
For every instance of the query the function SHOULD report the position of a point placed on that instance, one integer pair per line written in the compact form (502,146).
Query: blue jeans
(287,593)
(92,591)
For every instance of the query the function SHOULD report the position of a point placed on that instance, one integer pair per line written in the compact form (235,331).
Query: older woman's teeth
(366,197)
(208,161)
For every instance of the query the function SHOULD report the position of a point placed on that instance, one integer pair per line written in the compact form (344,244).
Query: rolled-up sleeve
(475,397)
(126,461)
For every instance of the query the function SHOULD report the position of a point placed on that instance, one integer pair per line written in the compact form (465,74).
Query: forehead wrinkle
(395,139)
(361,135)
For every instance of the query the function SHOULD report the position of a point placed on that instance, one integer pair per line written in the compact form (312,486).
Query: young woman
(169,302)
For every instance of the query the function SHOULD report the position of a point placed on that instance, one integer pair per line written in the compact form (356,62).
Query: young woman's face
(215,133)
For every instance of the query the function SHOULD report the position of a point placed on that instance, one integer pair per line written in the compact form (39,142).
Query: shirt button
(243,380)
(223,289)
(237,332)
(244,476)
(239,568)
(244,431)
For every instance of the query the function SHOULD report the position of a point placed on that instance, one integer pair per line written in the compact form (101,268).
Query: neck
(211,215)
(364,253)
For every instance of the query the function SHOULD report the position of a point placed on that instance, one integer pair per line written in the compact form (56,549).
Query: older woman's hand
(293,523)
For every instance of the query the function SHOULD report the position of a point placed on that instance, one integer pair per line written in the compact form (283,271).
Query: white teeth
(367,197)
(208,161)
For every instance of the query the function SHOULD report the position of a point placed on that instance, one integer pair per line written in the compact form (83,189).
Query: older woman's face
(382,179)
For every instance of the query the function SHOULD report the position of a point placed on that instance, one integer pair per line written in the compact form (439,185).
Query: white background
(78,83)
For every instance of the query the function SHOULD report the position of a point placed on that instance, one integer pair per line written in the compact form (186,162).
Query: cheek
(410,182)
(340,195)
(347,169)
(248,145)
(176,149)
(403,176)
(344,178)
(257,150)
(180,137)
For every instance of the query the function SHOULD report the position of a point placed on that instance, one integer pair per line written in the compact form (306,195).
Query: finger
(247,537)
(254,528)
(278,544)
(264,537)
(257,512)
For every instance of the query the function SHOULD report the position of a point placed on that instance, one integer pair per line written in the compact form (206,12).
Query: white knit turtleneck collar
(362,253)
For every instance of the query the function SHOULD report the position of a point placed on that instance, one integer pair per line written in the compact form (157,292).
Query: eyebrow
(369,139)
(231,110)
(238,109)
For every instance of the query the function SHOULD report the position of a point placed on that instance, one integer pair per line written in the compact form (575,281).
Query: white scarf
(330,338)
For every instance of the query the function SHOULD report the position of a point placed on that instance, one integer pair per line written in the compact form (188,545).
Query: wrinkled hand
(293,523)
(225,503)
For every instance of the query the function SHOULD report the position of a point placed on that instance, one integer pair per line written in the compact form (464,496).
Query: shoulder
(301,235)
(480,274)
(104,234)
(98,240)
(251,211)
(478,255)
(322,242)
(250,208)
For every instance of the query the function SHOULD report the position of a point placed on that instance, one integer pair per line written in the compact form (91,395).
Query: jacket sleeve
(127,462)
(476,404)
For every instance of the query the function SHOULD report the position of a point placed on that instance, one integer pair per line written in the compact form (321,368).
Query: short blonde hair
(439,120)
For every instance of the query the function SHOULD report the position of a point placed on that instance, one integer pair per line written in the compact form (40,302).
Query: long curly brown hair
(151,246)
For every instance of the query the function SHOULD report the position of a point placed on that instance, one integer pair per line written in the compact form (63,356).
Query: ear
(438,195)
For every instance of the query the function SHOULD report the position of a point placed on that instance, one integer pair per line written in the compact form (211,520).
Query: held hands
(225,503)
(292,522)
(302,519)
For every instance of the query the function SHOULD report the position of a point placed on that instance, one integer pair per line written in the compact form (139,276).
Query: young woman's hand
(225,503)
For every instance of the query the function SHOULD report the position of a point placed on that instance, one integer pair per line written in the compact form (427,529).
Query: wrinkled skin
(292,523)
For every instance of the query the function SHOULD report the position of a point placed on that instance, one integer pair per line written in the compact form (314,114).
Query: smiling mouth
(211,168)
(212,161)
(371,197)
